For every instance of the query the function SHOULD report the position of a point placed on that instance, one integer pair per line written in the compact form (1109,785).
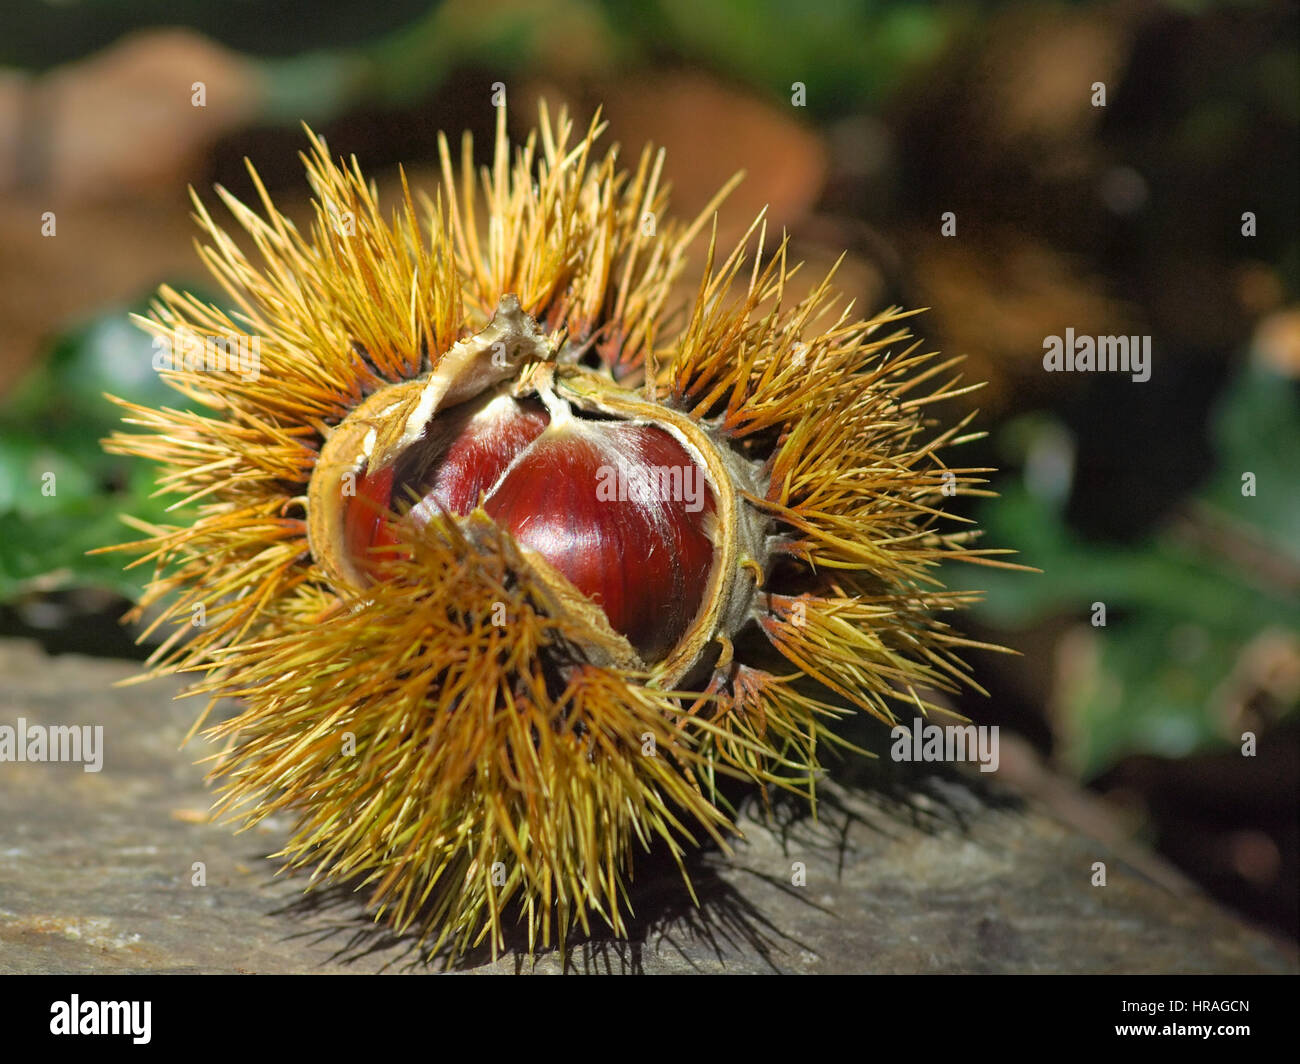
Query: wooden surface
(925,873)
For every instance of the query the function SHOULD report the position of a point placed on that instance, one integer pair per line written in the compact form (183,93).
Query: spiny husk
(495,770)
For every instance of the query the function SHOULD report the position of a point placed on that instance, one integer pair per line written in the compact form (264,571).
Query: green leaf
(60,494)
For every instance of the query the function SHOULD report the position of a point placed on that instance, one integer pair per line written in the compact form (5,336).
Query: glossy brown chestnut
(622,510)
(466,450)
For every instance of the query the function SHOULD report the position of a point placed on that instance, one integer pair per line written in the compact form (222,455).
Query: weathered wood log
(900,873)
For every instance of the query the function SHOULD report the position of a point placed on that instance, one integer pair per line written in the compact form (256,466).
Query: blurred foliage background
(1122,219)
